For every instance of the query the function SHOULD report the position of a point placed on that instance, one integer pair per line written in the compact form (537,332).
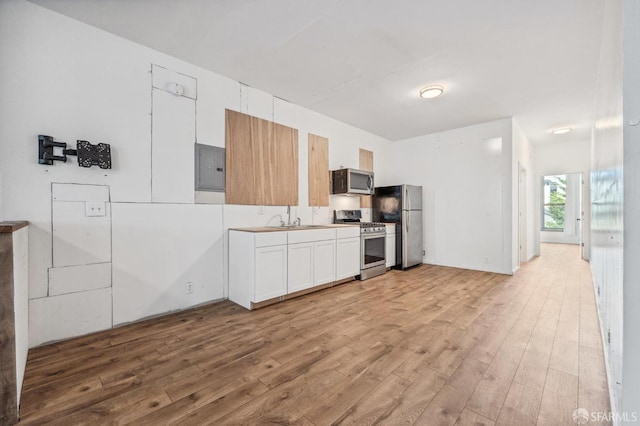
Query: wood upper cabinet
(318,171)
(283,168)
(366,163)
(241,173)
(262,161)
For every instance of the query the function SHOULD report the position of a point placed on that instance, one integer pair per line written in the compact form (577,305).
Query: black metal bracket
(94,155)
(45,150)
(88,154)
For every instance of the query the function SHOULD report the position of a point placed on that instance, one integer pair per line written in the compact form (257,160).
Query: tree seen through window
(554,190)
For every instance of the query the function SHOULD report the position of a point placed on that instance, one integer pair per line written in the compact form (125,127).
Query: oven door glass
(373,251)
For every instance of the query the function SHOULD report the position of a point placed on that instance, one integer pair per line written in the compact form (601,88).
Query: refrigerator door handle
(406,197)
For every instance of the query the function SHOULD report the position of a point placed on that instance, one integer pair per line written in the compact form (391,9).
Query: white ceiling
(364,61)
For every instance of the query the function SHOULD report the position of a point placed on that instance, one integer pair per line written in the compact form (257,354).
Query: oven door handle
(371,236)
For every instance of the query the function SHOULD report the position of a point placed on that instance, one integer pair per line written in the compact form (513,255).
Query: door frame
(522,215)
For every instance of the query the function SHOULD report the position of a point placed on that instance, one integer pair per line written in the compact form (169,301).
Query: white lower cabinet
(257,266)
(300,269)
(311,264)
(268,265)
(347,257)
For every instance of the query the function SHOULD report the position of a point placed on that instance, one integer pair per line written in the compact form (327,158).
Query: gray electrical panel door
(210,168)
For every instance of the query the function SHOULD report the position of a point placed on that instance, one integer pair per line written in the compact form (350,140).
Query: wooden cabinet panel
(284,167)
(262,161)
(318,171)
(366,163)
(241,171)
(262,143)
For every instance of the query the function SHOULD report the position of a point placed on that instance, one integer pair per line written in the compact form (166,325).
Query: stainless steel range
(372,243)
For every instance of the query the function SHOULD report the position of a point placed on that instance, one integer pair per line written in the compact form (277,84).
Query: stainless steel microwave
(352,181)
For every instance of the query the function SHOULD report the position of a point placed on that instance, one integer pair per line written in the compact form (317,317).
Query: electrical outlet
(189,288)
(486,259)
(424,252)
(95,209)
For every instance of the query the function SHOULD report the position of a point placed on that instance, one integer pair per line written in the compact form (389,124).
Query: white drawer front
(348,232)
(311,235)
(265,239)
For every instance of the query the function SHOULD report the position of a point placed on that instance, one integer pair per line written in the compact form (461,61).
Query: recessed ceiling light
(430,92)
(561,130)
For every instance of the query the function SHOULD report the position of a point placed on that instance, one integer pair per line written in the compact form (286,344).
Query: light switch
(95,208)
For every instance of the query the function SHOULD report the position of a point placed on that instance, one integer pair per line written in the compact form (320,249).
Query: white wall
(522,157)
(558,157)
(631,134)
(21,302)
(608,181)
(143,286)
(73,81)
(466,175)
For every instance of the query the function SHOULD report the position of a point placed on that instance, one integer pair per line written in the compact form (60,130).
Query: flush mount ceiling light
(431,92)
(561,130)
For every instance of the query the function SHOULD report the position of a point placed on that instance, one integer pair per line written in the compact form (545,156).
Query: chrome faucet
(296,222)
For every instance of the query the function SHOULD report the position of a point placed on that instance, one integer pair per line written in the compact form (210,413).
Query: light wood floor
(429,346)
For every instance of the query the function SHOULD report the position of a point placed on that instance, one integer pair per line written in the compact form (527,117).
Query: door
(411,238)
(580,219)
(360,181)
(347,257)
(300,269)
(271,272)
(522,215)
(373,250)
(391,250)
(324,262)
(412,197)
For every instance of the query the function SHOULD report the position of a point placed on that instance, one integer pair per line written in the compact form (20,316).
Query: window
(554,198)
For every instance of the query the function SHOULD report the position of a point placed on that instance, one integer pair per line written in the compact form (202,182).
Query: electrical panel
(210,168)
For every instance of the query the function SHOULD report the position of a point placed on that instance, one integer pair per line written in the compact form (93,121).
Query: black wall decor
(88,154)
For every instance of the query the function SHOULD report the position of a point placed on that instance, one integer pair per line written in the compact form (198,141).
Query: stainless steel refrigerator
(402,205)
